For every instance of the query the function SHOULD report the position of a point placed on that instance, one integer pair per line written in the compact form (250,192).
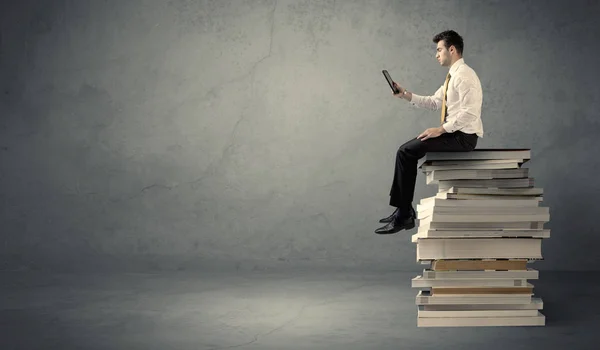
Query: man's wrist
(442,130)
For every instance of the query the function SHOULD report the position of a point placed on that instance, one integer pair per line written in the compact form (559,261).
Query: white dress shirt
(464,100)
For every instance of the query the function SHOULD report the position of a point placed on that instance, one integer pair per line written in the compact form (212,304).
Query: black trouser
(407,157)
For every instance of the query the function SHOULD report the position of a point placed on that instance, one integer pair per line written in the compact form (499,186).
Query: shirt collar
(455,66)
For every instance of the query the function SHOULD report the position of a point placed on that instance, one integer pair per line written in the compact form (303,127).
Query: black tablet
(390,81)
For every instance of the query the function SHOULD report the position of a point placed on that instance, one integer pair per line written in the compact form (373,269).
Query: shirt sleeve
(433,102)
(470,97)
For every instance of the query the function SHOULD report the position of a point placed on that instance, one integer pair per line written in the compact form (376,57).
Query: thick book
(473,215)
(429,168)
(520,321)
(473,164)
(435,176)
(529,191)
(481,154)
(535,304)
(482,210)
(479,248)
(444,185)
(480,274)
(425,297)
(461,196)
(462,291)
(421,312)
(423,282)
(427,224)
(436,201)
(469,162)
(479,265)
(479,234)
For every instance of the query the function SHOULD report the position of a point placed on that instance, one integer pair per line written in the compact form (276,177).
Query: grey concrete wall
(256,134)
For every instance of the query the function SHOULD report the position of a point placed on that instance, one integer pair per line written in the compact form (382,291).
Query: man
(459,99)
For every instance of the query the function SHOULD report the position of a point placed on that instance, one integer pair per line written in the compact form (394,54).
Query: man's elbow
(435,105)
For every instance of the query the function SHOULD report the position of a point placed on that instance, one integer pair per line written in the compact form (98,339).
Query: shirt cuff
(449,127)
(415,100)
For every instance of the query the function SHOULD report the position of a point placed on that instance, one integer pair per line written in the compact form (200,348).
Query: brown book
(476,265)
(483,290)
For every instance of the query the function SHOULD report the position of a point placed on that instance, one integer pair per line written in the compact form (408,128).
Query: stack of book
(477,234)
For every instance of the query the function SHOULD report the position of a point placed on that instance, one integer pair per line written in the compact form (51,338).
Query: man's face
(442,54)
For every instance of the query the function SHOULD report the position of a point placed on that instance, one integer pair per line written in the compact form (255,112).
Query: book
(507,233)
(482,290)
(479,265)
(476,164)
(480,248)
(423,282)
(481,274)
(482,217)
(530,191)
(535,304)
(446,195)
(487,183)
(475,313)
(483,213)
(465,163)
(426,298)
(482,174)
(427,224)
(491,202)
(487,321)
(481,154)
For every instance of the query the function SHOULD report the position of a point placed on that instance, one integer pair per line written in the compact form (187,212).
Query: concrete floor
(268,310)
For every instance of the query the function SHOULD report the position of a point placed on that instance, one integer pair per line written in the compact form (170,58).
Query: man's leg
(405,174)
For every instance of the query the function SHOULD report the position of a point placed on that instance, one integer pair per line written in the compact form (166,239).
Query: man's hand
(400,89)
(431,133)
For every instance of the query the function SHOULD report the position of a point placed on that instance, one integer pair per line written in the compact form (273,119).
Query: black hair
(450,38)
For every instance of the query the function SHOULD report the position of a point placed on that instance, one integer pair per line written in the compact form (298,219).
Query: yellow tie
(444,107)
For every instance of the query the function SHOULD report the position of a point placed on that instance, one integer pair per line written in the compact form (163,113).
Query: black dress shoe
(391,217)
(395,213)
(397,225)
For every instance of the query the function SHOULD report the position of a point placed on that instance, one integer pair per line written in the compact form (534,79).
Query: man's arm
(470,97)
(433,102)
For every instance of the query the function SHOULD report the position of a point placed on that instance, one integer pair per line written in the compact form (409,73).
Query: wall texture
(255,134)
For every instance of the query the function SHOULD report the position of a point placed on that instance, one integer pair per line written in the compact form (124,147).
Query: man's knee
(402,151)
(411,148)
